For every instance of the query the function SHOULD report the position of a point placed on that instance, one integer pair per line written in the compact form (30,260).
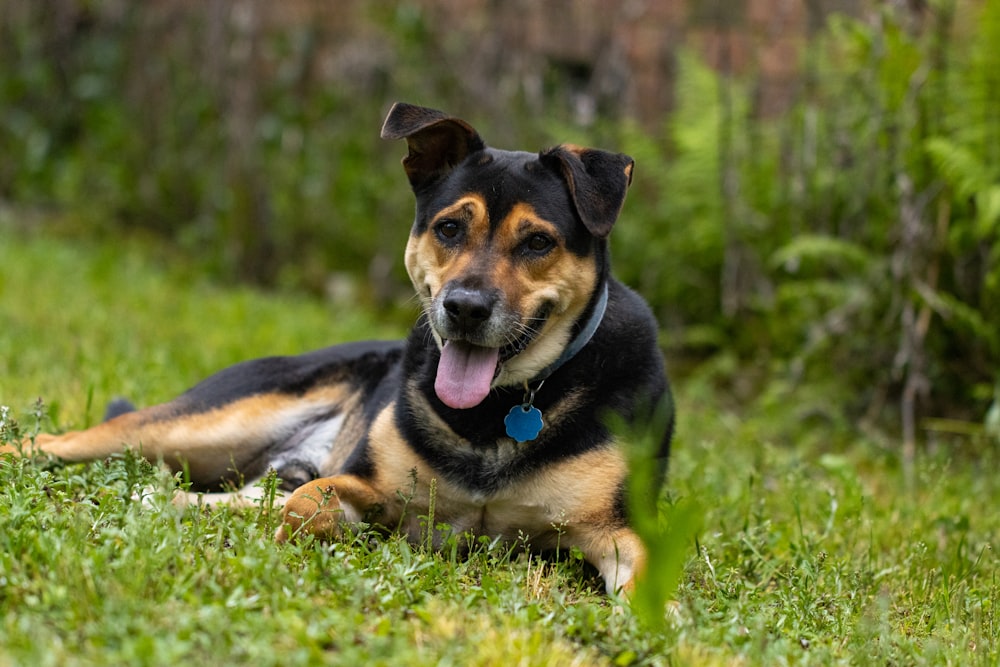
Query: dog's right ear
(437,142)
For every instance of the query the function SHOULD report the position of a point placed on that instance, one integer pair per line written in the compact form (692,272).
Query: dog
(494,411)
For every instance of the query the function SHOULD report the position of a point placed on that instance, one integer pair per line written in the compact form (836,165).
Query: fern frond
(959,166)
(827,252)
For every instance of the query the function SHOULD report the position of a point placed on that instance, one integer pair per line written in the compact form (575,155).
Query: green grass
(805,555)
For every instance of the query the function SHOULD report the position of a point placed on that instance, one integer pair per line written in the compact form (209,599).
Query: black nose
(468,308)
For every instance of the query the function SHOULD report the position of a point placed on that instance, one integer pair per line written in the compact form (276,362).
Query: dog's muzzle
(476,329)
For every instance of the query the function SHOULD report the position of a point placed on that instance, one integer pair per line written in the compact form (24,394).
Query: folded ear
(597,181)
(437,142)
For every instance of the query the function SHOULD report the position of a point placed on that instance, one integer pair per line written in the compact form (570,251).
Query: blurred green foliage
(839,260)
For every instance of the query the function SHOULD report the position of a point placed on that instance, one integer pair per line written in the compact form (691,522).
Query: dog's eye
(539,243)
(448,230)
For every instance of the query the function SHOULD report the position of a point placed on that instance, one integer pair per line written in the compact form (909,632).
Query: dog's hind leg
(285,413)
(244,436)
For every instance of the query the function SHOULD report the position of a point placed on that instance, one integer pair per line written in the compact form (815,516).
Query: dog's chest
(535,511)
(537,506)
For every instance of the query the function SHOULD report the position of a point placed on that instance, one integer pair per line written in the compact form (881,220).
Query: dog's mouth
(466,370)
(469,364)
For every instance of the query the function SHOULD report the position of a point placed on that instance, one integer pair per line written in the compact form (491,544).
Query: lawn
(818,554)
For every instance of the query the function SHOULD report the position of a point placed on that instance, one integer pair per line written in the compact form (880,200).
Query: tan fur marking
(576,498)
(211,443)
(566,404)
(430,265)
(395,465)
(559,278)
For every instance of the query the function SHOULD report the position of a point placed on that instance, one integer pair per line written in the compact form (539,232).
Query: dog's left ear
(437,142)
(597,181)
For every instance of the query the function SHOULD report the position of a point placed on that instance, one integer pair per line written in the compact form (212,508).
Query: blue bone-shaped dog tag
(523,422)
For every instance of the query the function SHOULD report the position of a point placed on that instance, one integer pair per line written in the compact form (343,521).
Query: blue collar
(524,421)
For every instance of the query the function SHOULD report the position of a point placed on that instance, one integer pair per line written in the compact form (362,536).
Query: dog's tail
(118,407)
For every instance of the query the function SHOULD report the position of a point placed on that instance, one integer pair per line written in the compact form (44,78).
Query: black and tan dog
(496,404)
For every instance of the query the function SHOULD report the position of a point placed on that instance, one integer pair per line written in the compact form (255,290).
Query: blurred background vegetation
(814,215)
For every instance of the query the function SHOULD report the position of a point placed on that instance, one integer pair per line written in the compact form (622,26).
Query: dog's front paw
(320,507)
(313,509)
(619,556)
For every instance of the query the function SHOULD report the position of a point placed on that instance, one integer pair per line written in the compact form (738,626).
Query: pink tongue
(464,374)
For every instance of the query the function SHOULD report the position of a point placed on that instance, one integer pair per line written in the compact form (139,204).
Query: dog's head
(507,249)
